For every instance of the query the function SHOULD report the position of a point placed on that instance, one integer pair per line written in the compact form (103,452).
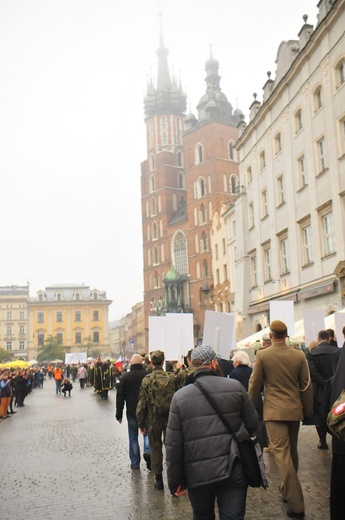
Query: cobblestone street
(68,458)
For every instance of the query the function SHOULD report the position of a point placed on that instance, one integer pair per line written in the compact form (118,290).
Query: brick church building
(190,174)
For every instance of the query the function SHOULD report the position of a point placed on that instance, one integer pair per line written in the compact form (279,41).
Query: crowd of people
(270,398)
(193,409)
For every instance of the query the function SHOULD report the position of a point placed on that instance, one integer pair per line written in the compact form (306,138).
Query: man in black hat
(283,370)
(156,392)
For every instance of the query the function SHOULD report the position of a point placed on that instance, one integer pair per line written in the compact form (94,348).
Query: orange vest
(58,374)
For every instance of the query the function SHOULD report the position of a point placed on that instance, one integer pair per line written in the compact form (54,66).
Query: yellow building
(74,314)
(14,331)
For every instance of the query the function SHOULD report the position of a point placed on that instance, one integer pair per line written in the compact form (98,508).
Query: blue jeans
(134,450)
(231,501)
(58,383)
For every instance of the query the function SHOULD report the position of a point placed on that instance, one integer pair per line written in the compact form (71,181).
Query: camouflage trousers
(157,439)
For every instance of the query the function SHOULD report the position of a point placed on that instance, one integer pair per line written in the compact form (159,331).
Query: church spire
(163,76)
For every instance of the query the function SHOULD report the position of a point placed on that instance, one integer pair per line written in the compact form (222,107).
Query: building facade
(290,210)
(14,323)
(76,315)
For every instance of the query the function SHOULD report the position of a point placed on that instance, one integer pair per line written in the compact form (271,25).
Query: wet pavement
(67,458)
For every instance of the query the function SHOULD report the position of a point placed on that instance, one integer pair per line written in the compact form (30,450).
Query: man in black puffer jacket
(201,454)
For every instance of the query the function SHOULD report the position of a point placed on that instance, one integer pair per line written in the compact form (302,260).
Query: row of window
(180,182)
(58,296)
(320,154)
(59,316)
(199,155)
(11,316)
(9,330)
(60,339)
(306,241)
(10,344)
(153,208)
(321,160)
(179,162)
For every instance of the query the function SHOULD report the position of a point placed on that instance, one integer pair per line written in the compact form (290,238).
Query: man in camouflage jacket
(156,392)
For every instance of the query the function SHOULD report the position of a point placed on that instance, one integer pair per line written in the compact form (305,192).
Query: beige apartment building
(289,215)
(14,325)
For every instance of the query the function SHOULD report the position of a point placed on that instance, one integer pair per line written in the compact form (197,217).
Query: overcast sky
(73,74)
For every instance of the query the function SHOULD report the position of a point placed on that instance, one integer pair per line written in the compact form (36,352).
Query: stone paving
(67,458)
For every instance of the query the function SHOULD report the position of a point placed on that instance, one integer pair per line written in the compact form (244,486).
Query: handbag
(250,450)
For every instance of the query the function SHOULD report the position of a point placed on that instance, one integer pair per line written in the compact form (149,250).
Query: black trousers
(337,500)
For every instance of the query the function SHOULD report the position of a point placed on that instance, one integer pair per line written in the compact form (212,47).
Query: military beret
(278,326)
(157,356)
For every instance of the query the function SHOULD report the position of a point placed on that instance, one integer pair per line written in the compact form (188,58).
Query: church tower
(163,195)
(211,172)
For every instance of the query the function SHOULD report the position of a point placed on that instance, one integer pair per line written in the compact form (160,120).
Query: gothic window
(153,206)
(180,253)
(152,183)
(231,151)
(199,154)
(155,280)
(154,231)
(201,189)
(181,180)
(233,184)
(203,242)
(155,255)
(179,158)
(205,269)
(202,214)
(152,162)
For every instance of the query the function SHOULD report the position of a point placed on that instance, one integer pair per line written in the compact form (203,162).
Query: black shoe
(134,467)
(159,483)
(13,412)
(322,445)
(147,459)
(292,514)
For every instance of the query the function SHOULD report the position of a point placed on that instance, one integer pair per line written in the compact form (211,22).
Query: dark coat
(321,369)
(242,373)
(338,384)
(128,391)
(197,442)
(226,366)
